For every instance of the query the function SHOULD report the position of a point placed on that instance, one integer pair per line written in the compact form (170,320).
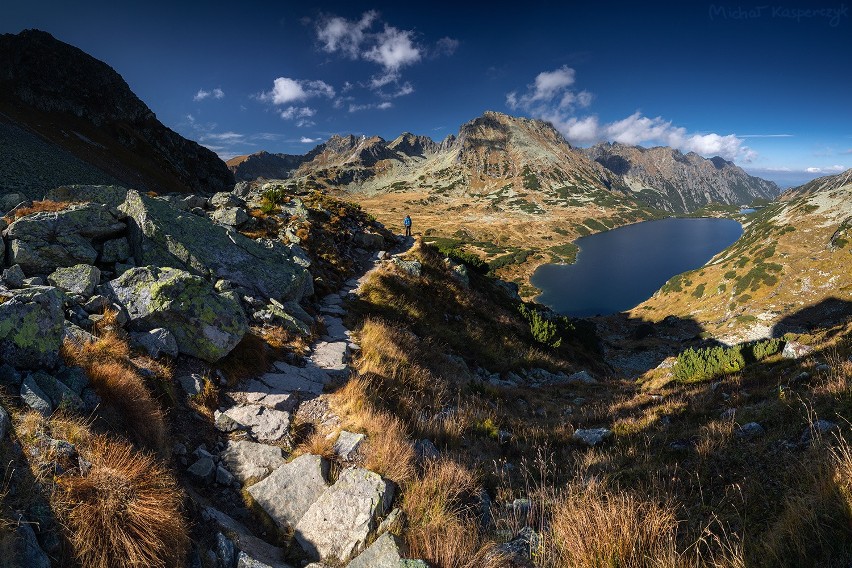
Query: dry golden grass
(388,449)
(45,206)
(124,511)
(594,526)
(317,443)
(126,396)
(443,528)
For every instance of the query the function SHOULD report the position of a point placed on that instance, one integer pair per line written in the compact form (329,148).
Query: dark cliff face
(84,106)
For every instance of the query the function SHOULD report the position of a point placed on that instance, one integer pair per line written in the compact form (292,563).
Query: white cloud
(346,36)
(286,90)
(826,170)
(223,136)
(216,93)
(394,49)
(297,112)
(380,106)
(446,46)
(306,140)
(552,98)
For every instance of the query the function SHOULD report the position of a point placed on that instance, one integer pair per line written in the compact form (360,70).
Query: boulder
(60,394)
(591,436)
(410,267)
(111,195)
(289,491)
(231,216)
(370,241)
(34,397)
(205,324)
(13,276)
(265,424)
(795,350)
(78,279)
(5,423)
(42,242)
(11,200)
(31,327)
(191,384)
(156,343)
(225,199)
(245,560)
(337,525)
(163,236)
(115,250)
(249,460)
(750,431)
(21,549)
(385,552)
(202,470)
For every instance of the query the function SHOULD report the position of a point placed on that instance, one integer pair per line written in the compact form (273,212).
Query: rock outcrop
(162,235)
(31,327)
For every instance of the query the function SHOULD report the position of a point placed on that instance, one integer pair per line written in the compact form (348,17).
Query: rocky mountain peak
(413,145)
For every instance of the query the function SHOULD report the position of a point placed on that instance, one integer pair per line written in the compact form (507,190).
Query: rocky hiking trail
(329,521)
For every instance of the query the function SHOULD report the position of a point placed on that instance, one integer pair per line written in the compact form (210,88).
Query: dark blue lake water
(618,269)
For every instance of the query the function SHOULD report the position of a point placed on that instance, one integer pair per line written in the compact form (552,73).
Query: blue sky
(766,85)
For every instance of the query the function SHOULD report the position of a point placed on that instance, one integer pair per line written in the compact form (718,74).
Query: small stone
(223,476)
(425,450)
(582,378)
(795,350)
(34,397)
(592,437)
(157,342)
(191,384)
(818,429)
(750,431)
(202,470)
(179,449)
(225,551)
(347,444)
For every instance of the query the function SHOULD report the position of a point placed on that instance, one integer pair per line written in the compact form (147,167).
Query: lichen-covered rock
(111,195)
(163,236)
(115,250)
(231,216)
(290,490)
(60,394)
(337,525)
(205,324)
(13,276)
(79,279)
(34,397)
(592,437)
(31,327)
(411,267)
(42,242)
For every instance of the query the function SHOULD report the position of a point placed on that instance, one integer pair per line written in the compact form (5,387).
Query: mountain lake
(618,269)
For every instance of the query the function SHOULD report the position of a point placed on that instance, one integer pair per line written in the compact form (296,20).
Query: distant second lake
(618,269)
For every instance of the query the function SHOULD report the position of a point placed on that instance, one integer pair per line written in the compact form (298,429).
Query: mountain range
(495,149)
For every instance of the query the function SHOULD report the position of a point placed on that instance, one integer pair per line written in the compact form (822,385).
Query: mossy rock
(31,328)
(206,324)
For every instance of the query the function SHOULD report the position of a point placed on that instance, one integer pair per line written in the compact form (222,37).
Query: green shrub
(695,365)
(548,331)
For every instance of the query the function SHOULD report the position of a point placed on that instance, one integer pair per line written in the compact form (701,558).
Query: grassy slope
(715,498)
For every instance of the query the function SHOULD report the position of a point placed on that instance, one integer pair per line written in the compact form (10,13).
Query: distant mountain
(80,106)
(823,184)
(667,179)
(263,165)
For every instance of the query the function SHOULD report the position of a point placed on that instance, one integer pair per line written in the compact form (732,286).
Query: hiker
(407,223)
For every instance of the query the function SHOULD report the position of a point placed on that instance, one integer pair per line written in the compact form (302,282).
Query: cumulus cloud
(392,48)
(306,140)
(552,97)
(216,93)
(346,36)
(292,112)
(286,90)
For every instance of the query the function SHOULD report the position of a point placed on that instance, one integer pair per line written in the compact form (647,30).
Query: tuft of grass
(127,397)
(207,400)
(595,526)
(442,520)
(123,510)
